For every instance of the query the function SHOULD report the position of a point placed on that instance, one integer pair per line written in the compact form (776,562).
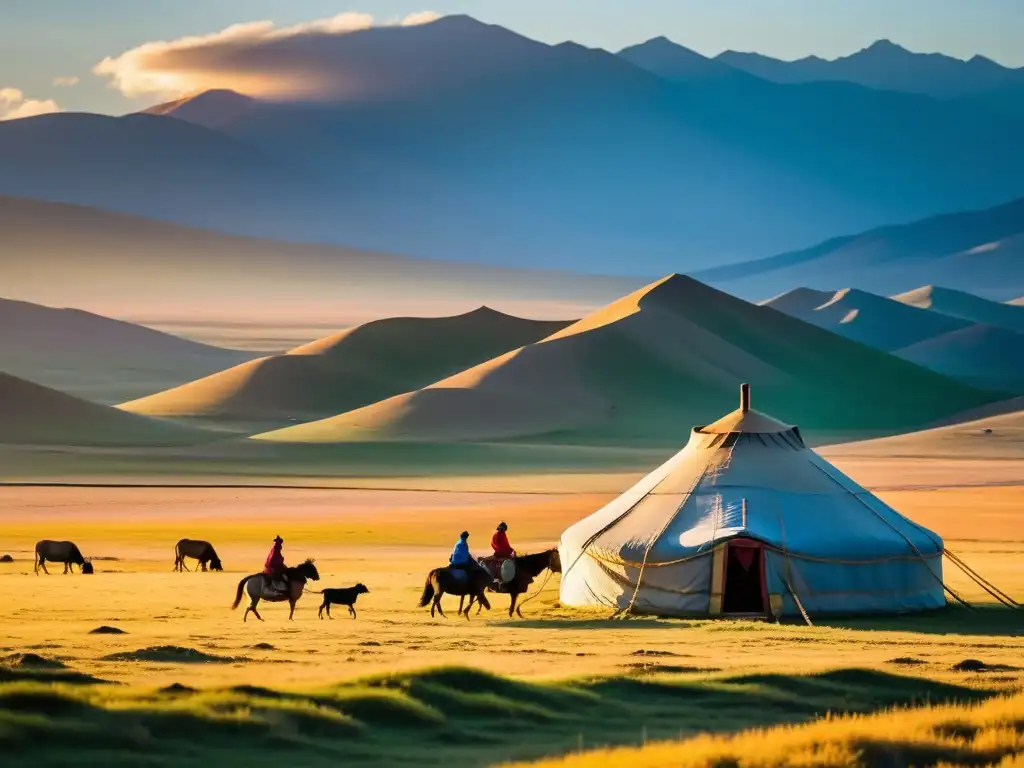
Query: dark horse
(258,588)
(528,567)
(202,551)
(454,581)
(58,552)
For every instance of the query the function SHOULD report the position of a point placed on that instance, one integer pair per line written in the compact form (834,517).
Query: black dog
(346,596)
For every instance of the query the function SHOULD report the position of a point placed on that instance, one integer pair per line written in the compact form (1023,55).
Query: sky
(50,49)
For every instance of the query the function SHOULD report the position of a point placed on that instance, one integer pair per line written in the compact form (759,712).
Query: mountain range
(462,140)
(886,66)
(979,251)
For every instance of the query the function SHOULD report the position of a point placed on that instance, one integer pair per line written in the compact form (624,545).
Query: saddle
(501,569)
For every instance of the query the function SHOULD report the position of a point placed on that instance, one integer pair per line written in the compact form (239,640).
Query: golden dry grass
(991,733)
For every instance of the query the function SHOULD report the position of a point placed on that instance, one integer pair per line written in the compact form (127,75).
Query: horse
(202,551)
(58,552)
(454,581)
(528,567)
(258,589)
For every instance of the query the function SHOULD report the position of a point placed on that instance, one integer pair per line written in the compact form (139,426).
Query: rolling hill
(647,368)
(349,369)
(463,140)
(165,274)
(99,358)
(877,321)
(992,437)
(31,414)
(966,306)
(978,251)
(980,355)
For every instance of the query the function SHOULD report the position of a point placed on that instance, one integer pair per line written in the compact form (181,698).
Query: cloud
(14,105)
(423,17)
(66,82)
(258,58)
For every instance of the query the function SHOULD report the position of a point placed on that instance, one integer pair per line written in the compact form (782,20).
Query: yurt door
(745,590)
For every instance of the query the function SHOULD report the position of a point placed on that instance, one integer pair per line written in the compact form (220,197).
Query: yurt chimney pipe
(744,397)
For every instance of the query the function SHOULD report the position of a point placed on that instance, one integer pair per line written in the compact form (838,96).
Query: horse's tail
(238,592)
(428,591)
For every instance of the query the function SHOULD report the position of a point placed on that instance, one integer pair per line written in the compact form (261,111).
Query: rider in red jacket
(499,543)
(275,567)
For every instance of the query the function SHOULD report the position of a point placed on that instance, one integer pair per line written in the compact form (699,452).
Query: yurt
(747,520)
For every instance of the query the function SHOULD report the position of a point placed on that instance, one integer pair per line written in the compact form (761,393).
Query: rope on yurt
(981,581)
(671,519)
(785,559)
(906,538)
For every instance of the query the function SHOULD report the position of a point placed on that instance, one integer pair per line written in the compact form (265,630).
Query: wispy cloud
(66,82)
(14,105)
(258,58)
(423,17)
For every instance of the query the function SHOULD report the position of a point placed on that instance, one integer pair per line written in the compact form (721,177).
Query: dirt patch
(976,665)
(264,647)
(171,653)
(6,559)
(106,629)
(643,652)
(32,661)
(906,661)
(678,669)
(177,688)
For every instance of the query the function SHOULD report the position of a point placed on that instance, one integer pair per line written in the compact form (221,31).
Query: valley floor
(178,628)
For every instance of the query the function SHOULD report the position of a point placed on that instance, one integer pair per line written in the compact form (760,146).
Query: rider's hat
(502,526)
(464,535)
(278,539)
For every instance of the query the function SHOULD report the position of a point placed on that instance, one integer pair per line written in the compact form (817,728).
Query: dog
(345,596)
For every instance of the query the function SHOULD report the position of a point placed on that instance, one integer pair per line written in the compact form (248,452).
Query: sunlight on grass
(989,733)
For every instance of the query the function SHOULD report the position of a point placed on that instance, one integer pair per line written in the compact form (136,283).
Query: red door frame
(743,543)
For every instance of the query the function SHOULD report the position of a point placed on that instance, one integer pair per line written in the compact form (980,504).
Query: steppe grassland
(389,539)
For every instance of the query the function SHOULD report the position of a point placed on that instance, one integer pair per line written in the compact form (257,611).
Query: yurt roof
(745,421)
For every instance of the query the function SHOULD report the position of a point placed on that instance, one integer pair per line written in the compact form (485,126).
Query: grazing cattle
(202,551)
(58,552)
(344,596)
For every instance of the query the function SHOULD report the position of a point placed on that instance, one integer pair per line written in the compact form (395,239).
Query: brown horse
(202,551)
(454,581)
(258,588)
(528,568)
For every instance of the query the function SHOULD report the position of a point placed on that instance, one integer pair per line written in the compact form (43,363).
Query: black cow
(58,552)
(202,551)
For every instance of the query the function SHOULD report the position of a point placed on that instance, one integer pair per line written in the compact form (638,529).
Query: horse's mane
(308,561)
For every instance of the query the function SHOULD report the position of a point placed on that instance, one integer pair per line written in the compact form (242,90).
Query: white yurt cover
(825,544)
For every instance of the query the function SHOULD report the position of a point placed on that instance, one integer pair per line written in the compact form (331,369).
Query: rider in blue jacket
(461,558)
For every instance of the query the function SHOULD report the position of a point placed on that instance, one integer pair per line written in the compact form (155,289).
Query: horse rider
(499,543)
(461,559)
(275,568)
(502,551)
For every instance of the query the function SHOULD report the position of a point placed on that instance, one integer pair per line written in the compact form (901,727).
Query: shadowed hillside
(349,369)
(966,306)
(650,366)
(97,357)
(35,415)
(979,355)
(873,320)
